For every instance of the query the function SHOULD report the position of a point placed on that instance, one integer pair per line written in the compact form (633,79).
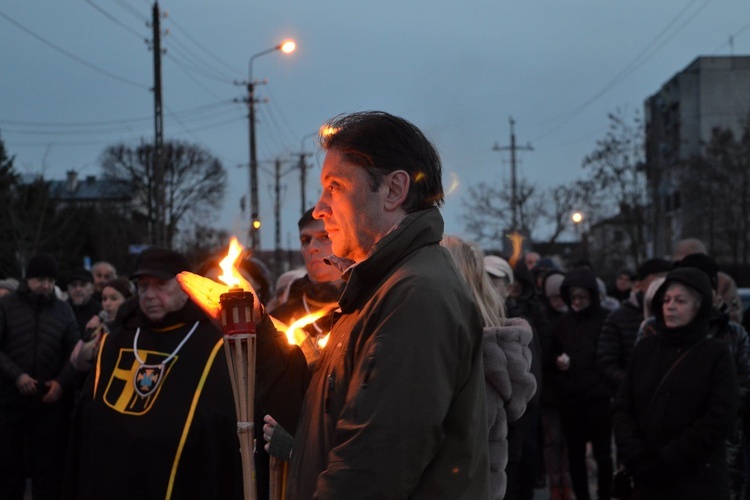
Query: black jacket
(616,342)
(577,335)
(670,426)
(37,335)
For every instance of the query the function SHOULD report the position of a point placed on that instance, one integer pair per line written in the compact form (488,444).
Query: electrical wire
(71,55)
(133,12)
(201,65)
(643,56)
(203,110)
(200,46)
(115,20)
(734,35)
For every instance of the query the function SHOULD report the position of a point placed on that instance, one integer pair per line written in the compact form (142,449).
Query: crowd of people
(445,373)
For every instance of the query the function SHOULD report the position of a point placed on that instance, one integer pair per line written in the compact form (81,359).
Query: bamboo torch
(238,326)
(239,347)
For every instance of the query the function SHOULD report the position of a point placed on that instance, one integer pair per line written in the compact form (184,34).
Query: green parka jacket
(395,406)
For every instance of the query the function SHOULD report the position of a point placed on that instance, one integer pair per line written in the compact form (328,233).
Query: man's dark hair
(306,219)
(382,143)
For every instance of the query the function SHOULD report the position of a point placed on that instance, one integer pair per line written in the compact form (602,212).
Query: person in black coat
(37,334)
(584,397)
(677,403)
(620,329)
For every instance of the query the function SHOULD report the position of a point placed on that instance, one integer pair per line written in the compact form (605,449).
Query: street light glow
(288,46)
(577,217)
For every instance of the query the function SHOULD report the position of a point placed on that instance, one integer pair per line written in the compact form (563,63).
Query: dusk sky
(76,77)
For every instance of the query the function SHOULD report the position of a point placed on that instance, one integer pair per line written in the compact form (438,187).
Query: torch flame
(453,184)
(231,276)
(517,240)
(323,340)
(295,335)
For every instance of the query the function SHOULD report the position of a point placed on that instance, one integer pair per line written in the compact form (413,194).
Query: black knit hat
(653,266)
(41,265)
(160,263)
(690,277)
(704,263)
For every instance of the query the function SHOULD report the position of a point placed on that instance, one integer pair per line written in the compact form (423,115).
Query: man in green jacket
(395,405)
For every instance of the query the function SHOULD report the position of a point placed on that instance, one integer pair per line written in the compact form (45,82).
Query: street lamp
(286,47)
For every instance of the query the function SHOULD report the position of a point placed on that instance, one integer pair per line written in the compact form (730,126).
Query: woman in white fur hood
(507,357)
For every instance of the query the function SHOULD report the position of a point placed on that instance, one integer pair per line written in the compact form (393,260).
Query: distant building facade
(710,92)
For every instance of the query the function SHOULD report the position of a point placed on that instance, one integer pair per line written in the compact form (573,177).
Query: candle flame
(231,276)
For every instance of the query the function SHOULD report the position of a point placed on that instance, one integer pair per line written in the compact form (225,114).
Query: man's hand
(268,427)
(54,392)
(206,293)
(26,384)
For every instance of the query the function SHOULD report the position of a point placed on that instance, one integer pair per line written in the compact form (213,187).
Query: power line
(207,67)
(200,46)
(202,109)
(643,56)
(133,12)
(71,55)
(115,20)
(734,35)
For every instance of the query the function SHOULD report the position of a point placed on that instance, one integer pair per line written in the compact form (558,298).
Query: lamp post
(286,47)
(577,218)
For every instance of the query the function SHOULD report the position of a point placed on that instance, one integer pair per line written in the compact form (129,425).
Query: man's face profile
(351,211)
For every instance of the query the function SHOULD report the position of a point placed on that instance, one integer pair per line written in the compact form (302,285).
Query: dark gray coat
(37,335)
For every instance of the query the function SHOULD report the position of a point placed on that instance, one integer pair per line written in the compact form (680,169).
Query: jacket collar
(416,230)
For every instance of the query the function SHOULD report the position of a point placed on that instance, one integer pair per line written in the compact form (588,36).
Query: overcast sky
(75,76)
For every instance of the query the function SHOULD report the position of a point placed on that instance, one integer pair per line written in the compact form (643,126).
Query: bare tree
(716,188)
(195,182)
(616,174)
(488,213)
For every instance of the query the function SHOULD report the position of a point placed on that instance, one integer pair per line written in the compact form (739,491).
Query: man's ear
(396,189)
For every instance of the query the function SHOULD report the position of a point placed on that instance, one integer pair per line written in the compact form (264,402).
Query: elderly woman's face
(681,305)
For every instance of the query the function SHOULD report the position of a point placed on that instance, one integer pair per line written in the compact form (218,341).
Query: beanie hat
(498,267)
(41,265)
(121,285)
(692,278)
(653,266)
(552,284)
(160,263)
(704,263)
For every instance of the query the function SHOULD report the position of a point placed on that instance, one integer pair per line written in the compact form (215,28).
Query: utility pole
(513,183)
(303,180)
(277,214)
(255,222)
(159,232)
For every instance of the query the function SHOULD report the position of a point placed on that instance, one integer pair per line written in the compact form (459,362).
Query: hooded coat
(676,405)
(577,335)
(510,386)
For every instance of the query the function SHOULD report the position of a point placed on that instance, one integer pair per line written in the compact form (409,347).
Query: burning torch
(238,326)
